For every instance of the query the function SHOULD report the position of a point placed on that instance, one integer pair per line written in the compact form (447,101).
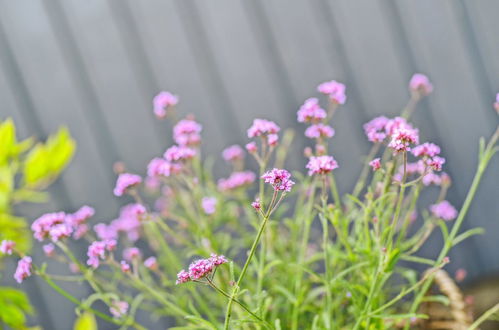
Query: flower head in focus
(200,268)
(279,179)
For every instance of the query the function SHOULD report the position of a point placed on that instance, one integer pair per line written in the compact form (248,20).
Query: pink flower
(183,277)
(262,127)
(96,251)
(256,205)
(395,124)
(217,260)
(111,245)
(233,153)
(321,165)
(162,101)
(157,167)
(279,179)
(80,216)
(375,164)
(187,132)
(251,147)
(151,263)
(60,231)
(176,153)
(23,269)
(436,163)
(444,210)
(209,204)
(119,308)
(311,111)
(125,267)
(272,139)
(335,91)
(431,178)
(426,149)
(105,232)
(43,225)
(49,249)
(402,138)
(126,181)
(375,129)
(7,247)
(319,131)
(236,180)
(131,253)
(420,83)
(496,104)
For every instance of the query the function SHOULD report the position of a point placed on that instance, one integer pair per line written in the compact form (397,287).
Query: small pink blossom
(426,149)
(7,247)
(23,269)
(200,268)
(183,277)
(218,260)
(321,165)
(335,91)
(126,181)
(375,164)
(251,147)
(262,127)
(236,180)
(402,138)
(157,167)
(256,204)
(420,83)
(125,267)
(60,231)
(111,245)
(95,252)
(43,225)
(132,253)
(80,216)
(436,163)
(49,249)
(444,210)
(311,111)
(273,140)
(279,179)
(233,153)
(119,308)
(375,129)
(162,102)
(187,132)
(431,178)
(209,205)
(179,153)
(80,231)
(395,124)
(151,263)
(319,131)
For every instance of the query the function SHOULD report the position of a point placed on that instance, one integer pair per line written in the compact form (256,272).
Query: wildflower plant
(272,249)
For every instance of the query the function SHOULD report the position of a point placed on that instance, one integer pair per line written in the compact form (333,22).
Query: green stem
(365,170)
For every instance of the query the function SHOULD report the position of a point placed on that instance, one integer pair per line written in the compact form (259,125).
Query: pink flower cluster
(209,205)
(128,222)
(420,83)
(7,247)
(126,181)
(375,164)
(161,167)
(375,129)
(59,225)
(444,210)
(335,91)
(162,102)
(321,165)
(311,111)
(131,253)
(97,251)
(233,153)
(279,179)
(319,131)
(426,149)
(262,127)
(179,153)
(200,268)
(187,132)
(402,138)
(23,269)
(236,180)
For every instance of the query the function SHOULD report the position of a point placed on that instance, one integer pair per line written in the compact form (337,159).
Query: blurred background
(95,66)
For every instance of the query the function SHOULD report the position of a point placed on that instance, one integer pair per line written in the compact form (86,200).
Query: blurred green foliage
(27,168)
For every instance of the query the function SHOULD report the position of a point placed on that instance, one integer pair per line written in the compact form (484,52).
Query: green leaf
(392,260)
(7,140)
(85,321)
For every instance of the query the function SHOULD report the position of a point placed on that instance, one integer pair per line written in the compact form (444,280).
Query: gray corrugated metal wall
(95,65)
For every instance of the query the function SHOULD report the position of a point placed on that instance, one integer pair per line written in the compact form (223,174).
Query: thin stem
(365,170)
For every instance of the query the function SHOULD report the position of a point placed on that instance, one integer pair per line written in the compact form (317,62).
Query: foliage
(26,169)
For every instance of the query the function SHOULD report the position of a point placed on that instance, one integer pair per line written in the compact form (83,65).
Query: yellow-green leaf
(85,321)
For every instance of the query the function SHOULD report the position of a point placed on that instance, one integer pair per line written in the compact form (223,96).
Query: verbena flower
(179,153)
(209,204)
(49,249)
(236,180)
(80,216)
(375,164)
(43,226)
(96,252)
(375,129)
(273,139)
(279,179)
(311,111)
(256,204)
(420,83)
(23,269)
(187,132)
(200,268)
(119,308)
(162,102)
(233,153)
(126,181)
(436,163)
(319,131)
(125,266)
(262,127)
(151,263)
(131,253)
(402,138)
(426,149)
(444,210)
(7,247)
(183,277)
(251,147)
(321,165)
(335,91)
